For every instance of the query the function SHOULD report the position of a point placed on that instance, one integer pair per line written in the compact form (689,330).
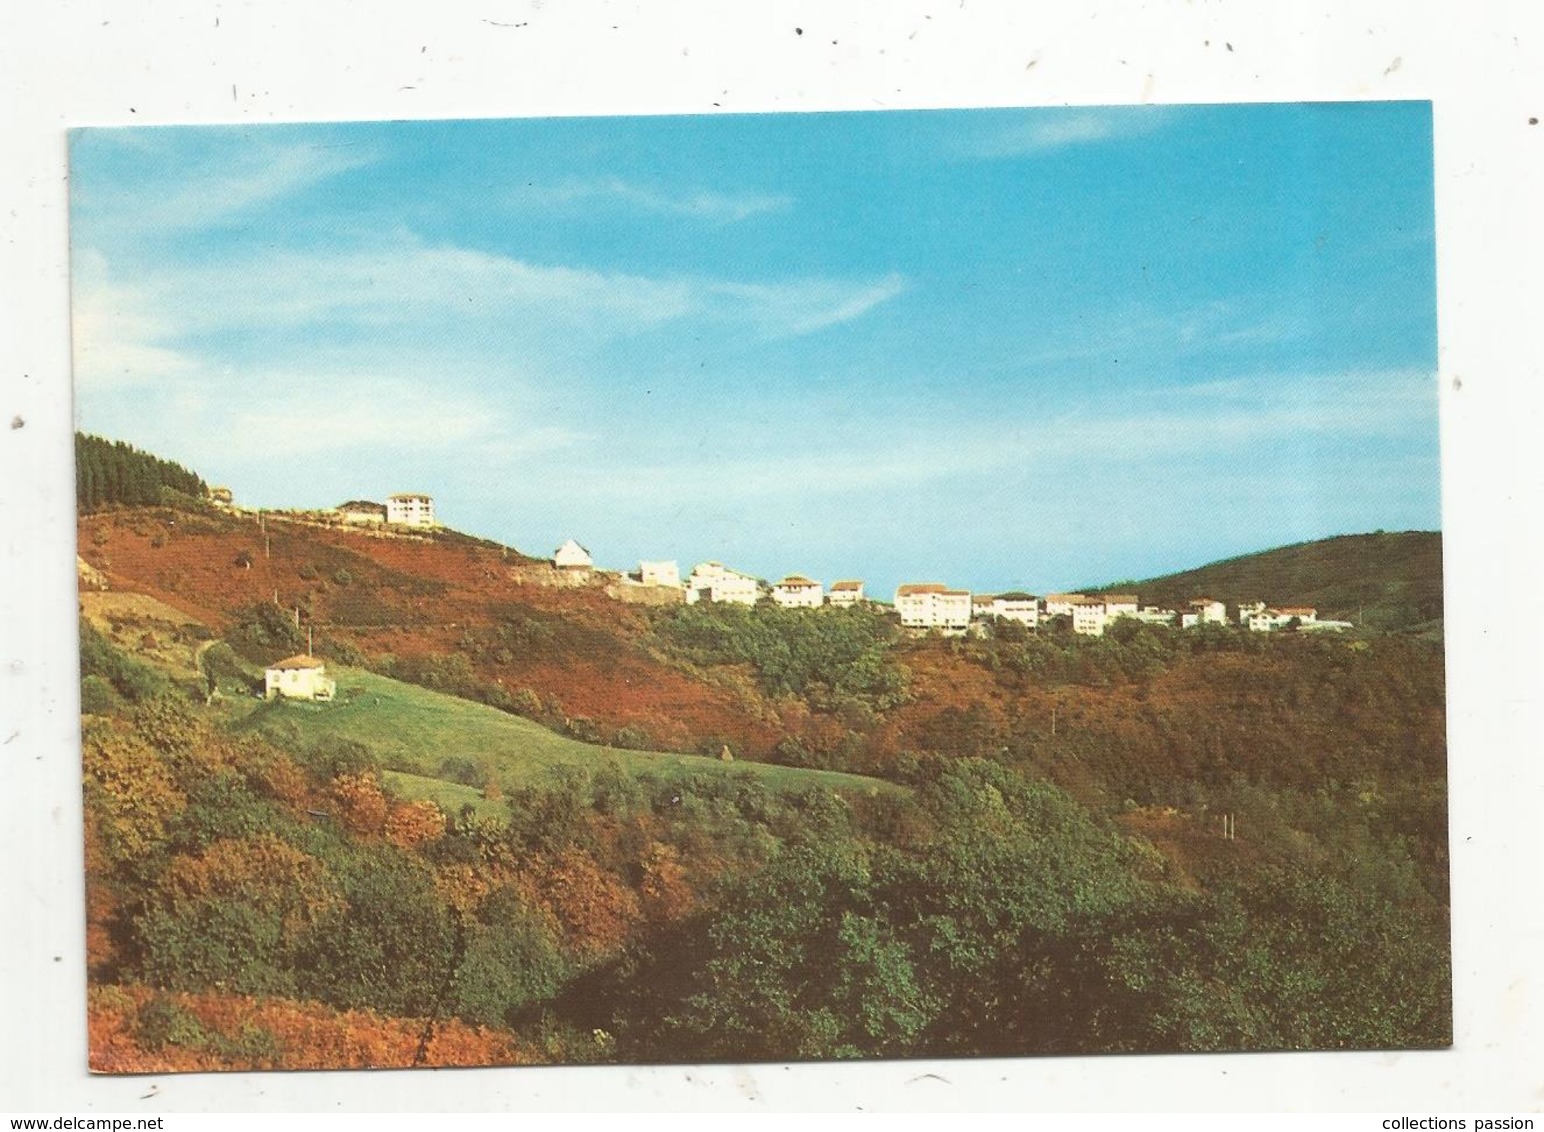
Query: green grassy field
(449,796)
(413,731)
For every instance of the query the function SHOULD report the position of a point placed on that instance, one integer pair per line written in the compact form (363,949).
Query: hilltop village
(921,606)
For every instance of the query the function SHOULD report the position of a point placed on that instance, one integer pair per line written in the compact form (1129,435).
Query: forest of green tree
(110,471)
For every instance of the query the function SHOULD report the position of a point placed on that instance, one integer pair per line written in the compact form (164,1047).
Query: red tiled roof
(1124,599)
(846,585)
(299,660)
(797,581)
(910,588)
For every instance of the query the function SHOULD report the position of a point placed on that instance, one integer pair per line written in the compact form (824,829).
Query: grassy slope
(413,730)
(1391,580)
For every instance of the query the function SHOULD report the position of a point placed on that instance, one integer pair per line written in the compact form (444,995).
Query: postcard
(760,588)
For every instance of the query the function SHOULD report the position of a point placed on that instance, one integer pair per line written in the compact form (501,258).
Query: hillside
(512,835)
(432,742)
(1390,581)
(451,612)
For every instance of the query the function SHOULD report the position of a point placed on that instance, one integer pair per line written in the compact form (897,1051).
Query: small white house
(410,510)
(845,593)
(1267,620)
(299,677)
(659,574)
(933,605)
(1208,611)
(713,581)
(1089,617)
(798,592)
(572,556)
(1156,615)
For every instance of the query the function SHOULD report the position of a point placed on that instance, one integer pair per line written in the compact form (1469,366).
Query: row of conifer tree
(108,471)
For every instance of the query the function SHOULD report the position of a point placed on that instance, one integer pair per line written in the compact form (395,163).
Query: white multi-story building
(1155,615)
(1119,605)
(1089,617)
(1021,607)
(572,556)
(1060,605)
(845,593)
(410,510)
(659,574)
(713,581)
(798,592)
(933,605)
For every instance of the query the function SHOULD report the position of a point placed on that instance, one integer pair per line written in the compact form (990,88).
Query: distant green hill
(1387,581)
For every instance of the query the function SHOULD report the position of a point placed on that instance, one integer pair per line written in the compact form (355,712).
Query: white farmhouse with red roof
(299,677)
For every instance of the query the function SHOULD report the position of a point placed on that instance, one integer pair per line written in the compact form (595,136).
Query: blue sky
(1005,348)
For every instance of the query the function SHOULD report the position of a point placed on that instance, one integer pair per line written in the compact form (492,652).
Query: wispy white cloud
(1043,130)
(119,336)
(695,203)
(176,186)
(1197,425)
(407,290)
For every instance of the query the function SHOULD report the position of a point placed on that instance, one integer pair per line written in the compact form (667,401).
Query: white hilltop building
(659,574)
(1156,615)
(410,509)
(1015,606)
(299,677)
(715,582)
(848,592)
(1266,620)
(1208,611)
(1120,605)
(1089,617)
(798,592)
(572,556)
(933,605)
(1060,605)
